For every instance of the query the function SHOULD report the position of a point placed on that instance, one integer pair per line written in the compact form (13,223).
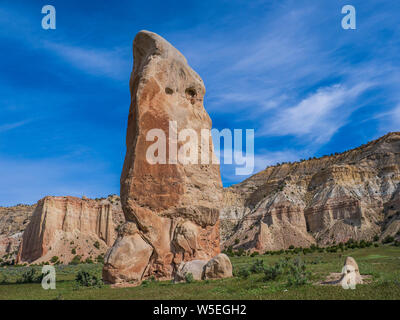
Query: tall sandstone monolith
(171,209)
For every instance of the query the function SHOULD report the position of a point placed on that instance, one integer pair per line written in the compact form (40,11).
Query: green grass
(382,263)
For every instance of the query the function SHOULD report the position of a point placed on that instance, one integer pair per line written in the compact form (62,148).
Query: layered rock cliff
(355,194)
(64,227)
(13,221)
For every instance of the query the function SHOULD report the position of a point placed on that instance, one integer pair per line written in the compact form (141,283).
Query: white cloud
(110,63)
(13,125)
(389,121)
(318,116)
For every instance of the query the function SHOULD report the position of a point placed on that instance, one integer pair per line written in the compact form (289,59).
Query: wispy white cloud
(317,116)
(390,120)
(101,62)
(13,125)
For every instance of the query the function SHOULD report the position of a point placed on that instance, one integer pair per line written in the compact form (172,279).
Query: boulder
(195,267)
(173,202)
(218,267)
(350,274)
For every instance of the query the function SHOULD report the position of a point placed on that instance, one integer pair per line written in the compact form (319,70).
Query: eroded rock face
(13,221)
(174,206)
(355,195)
(69,226)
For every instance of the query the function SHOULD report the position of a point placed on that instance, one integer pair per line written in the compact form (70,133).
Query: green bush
(388,239)
(54,259)
(189,277)
(295,271)
(73,251)
(297,274)
(271,273)
(244,273)
(88,260)
(88,279)
(76,260)
(97,245)
(376,238)
(257,267)
(30,276)
(100,258)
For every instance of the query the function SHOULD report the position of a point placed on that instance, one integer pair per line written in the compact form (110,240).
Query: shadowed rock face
(355,194)
(13,221)
(171,209)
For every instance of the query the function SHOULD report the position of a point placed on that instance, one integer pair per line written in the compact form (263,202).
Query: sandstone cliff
(355,194)
(67,226)
(13,221)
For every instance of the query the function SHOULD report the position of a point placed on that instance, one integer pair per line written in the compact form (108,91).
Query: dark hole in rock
(191,92)
(169,91)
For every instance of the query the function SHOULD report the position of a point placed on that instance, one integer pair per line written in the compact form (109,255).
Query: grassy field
(382,264)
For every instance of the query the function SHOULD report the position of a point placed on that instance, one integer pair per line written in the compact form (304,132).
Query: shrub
(87,279)
(88,260)
(257,267)
(295,271)
(30,276)
(100,258)
(76,260)
(54,259)
(189,277)
(253,254)
(297,274)
(237,241)
(271,273)
(244,273)
(376,238)
(73,251)
(291,247)
(388,239)
(240,252)
(97,245)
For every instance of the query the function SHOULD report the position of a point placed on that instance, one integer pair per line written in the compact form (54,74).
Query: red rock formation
(172,209)
(69,226)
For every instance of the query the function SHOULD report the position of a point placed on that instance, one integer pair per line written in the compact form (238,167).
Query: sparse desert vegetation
(264,276)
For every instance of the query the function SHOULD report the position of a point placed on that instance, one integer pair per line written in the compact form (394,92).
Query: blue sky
(285,68)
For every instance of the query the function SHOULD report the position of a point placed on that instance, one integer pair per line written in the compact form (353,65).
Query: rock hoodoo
(171,209)
(350,273)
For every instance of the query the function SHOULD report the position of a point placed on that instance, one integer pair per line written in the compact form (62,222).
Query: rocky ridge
(355,194)
(66,227)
